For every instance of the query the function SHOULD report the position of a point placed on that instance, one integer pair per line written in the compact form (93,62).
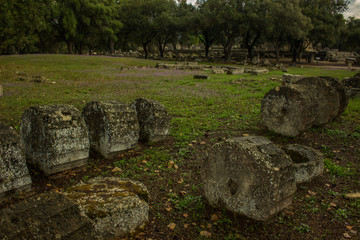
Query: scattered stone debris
(290,78)
(14,174)
(113,127)
(291,109)
(256,71)
(217,71)
(118,207)
(235,71)
(249,176)
(201,76)
(308,162)
(154,120)
(55,138)
(46,216)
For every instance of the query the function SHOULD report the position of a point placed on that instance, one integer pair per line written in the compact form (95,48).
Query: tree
(285,22)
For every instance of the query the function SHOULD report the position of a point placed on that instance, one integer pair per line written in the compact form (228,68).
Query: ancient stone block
(250,176)
(201,76)
(46,216)
(113,127)
(288,110)
(259,71)
(311,101)
(235,71)
(118,207)
(217,71)
(55,138)
(290,78)
(308,162)
(154,120)
(14,174)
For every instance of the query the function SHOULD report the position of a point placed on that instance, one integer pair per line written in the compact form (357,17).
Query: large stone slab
(308,162)
(14,174)
(118,207)
(113,127)
(55,138)
(249,176)
(153,118)
(46,216)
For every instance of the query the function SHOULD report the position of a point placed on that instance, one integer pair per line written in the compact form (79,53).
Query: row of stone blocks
(56,138)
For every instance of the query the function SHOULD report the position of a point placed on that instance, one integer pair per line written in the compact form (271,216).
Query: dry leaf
(312,193)
(186,226)
(346,235)
(352,195)
(277,88)
(168,209)
(202,143)
(116,169)
(48,185)
(246,135)
(171,226)
(185,215)
(333,205)
(171,164)
(181,181)
(349,227)
(209,225)
(156,171)
(214,217)
(205,234)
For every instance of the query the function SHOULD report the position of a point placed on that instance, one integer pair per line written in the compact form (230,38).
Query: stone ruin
(311,101)
(55,138)
(249,176)
(154,120)
(118,207)
(14,174)
(46,216)
(352,85)
(113,127)
(252,176)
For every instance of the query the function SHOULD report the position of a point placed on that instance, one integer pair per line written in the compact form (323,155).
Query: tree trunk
(69,47)
(146,51)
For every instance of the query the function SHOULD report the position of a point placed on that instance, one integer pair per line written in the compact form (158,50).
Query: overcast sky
(354,8)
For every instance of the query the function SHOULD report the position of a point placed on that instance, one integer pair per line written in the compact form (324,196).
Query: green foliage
(337,170)
(302,228)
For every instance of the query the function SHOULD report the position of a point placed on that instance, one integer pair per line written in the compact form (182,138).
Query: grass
(202,112)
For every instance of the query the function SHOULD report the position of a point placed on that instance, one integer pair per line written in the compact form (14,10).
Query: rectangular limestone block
(55,138)
(14,174)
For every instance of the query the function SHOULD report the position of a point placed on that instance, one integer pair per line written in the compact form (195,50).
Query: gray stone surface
(14,174)
(55,138)
(217,71)
(290,78)
(113,127)
(154,120)
(249,176)
(311,101)
(235,71)
(46,216)
(288,110)
(117,206)
(308,162)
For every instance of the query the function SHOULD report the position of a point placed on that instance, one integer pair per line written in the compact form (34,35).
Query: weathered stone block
(118,207)
(14,174)
(217,71)
(154,120)
(308,162)
(55,138)
(250,176)
(46,216)
(259,71)
(235,71)
(113,127)
(290,78)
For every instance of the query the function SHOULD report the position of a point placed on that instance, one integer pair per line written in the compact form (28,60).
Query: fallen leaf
(327,185)
(352,195)
(116,169)
(349,227)
(156,171)
(183,192)
(246,135)
(214,217)
(277,88)
(168,209)
(209,225)
(333,205)
(185,215)
(171,226)
(202,143)
(181,181)
(171,164)
(346,235)
(48,185)
(312,193)
(176,166)
(205,234)
(186,226)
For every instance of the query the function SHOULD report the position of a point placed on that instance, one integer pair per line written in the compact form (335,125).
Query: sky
(354,8)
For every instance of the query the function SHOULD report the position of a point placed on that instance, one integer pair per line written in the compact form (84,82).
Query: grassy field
(202,112)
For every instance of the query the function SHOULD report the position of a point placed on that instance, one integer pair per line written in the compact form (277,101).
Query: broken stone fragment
(249,176)
(118,207)
(46,216)
(14,174)
(154,120)
(55,138)
(113,127)
(308,162)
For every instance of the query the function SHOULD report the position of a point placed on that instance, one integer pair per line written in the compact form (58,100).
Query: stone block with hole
(113,127)
(14,174)
(308,162)
(55,138)
(119,207)
(154,120)
(250,176)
